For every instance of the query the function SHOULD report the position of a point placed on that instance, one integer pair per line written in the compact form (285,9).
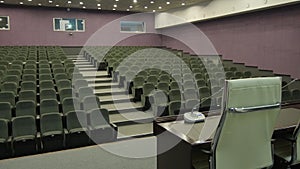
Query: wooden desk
(176,139)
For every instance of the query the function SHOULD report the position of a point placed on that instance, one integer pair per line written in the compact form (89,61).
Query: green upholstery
(147,89)
(49,106)
(90,103)
(27,95)
(70,104)
(26,108)
(46,84)
(47,94)
(5,111)
(159,102)
(3,131)
(243,139)
(8,96)
(85,91)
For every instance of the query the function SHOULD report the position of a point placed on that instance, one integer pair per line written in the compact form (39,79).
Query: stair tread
(122,106)
(131,116)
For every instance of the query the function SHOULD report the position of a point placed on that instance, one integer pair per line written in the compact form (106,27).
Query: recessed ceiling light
(98,4)
(99,8)
(81,3)
(130,6)
(29,0)
(57,5)
(69,2)
(154,10)
(134,1)
(117,0)
(145,7)
(1,1)
(39,4)
(50,1)
(83,7)
(21,3)
(167,2)
(114,9)
(115,5)
(152,2)
(127,9)
(159,7)
(182,3)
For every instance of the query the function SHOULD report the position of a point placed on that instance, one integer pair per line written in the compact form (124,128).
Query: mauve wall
(33,26)
(268,39)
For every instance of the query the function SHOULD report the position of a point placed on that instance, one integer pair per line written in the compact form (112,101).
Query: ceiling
(118,5)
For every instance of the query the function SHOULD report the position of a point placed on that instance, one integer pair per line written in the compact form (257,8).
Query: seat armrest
(66,131)
(208,152)
(114,126)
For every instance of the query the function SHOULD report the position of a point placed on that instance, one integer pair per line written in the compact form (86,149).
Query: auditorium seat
(26,108)
(47,94)
(5,111)
(90,102)
(159,103)
(85,91)
(24,135)
(27,95)
(77,129)
(65,83)
(70,104)
(137,86)
(100,127)
(8,96)
(9,87)
(146,91)
(52,132)
(49,106)
(46,84)
(4,138)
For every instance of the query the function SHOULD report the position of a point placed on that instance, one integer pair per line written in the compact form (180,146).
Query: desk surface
(191,133)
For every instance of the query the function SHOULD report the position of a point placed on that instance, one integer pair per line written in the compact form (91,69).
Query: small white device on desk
(193,117)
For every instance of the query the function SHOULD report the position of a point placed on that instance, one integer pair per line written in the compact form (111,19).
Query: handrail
(254,108)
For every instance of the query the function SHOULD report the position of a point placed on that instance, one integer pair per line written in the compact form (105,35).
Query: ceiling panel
(118,5)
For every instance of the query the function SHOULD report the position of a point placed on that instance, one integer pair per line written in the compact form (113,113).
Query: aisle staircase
(126,114)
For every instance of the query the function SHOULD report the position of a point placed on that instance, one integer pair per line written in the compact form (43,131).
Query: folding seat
(189,84)
(229,75)
(70,104)
(16,67)
(54,66)
(49,106)
(77,133)
(204,92)
(10,87)
(47,94)
(137,86)
(120,71)
(29,72)
(85,91)
(163,86)
(198,76)
(191,98)
(295,94)
(56,62)
(4,138)
(5,111)
(26,108)
(154,72)
(164,78)
(201,83)
(60,76)
(30,66)
(31,62)
(76,76)
(143,73)
(52,132)
(46,84)
(45,71)
(152,79)
(59,70)
(91,102)
(238,75)
(29,78)
(286,96)
(124,80)
(29,85)
(11,78)
(80,83)
(147,89)
(233,69)
(247,74)
(187,76)
(24,135)
(43,77)
(66,92)
(186,71)
(44,67)
(3,68)
(69,65)
(175,95)
(4,62)
(27,95)
(101,130)
(159,103)
(61,84)
(15,72)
